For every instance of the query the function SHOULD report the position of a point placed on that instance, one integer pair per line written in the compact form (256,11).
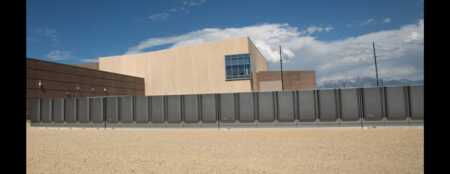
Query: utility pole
(376,65)
(281,70)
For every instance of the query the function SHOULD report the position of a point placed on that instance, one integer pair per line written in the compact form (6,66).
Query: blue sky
(80,31)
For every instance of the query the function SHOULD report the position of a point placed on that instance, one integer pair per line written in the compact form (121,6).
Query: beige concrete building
(216,67)
(292,80)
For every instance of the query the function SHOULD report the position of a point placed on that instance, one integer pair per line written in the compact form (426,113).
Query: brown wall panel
(71,87)
(88,65)
(60,80)
(50,75)
(69,78)
(77,71)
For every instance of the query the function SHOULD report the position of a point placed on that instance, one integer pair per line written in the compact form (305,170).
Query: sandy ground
(209,150)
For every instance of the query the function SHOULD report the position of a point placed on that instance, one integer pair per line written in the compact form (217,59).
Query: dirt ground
(210,150)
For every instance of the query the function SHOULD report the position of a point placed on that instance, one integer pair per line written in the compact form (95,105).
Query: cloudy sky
(334,38)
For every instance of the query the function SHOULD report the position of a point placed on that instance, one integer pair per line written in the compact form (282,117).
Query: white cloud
(400,51)
(175,9)
(193,3)
(49,34)
(387,20)
(266,37)
(315,29)
(367,22)
(56,55)
(184,7)
(57,52)
(158,16)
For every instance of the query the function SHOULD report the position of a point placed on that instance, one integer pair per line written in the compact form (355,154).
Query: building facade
(226,66)
(54,80)
(292,80)
(217,67)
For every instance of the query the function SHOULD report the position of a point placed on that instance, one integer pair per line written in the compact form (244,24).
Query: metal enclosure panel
(266,109)
(58,110)
(286,109)
(416,96)
(28,109)
(191,114)
(70,110)
(112,109)
(174,109)
(227,108)
(141,108)
(396,103)
(83,110)
(246,107)
(373,109)
(126,109)
(349,104)
(327,105)
(96,109)
(46,110)
(35,110)
(306,105)
(209,108)
(157,110)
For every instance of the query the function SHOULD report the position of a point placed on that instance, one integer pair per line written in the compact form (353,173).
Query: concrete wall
(259,62)
(190,69)
(269,85)
(292,80)
(416,102)
(295,108)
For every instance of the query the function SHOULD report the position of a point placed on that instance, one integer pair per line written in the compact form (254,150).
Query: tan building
(217,67)
(292,80)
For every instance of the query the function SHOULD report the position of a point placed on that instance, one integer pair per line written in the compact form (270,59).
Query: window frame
(235,63)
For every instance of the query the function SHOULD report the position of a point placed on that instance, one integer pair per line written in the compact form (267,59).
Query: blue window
(237,67)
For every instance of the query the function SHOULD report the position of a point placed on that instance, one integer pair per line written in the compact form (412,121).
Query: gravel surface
(212,150)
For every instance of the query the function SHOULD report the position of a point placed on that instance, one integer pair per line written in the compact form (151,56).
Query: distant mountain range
(367,82)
